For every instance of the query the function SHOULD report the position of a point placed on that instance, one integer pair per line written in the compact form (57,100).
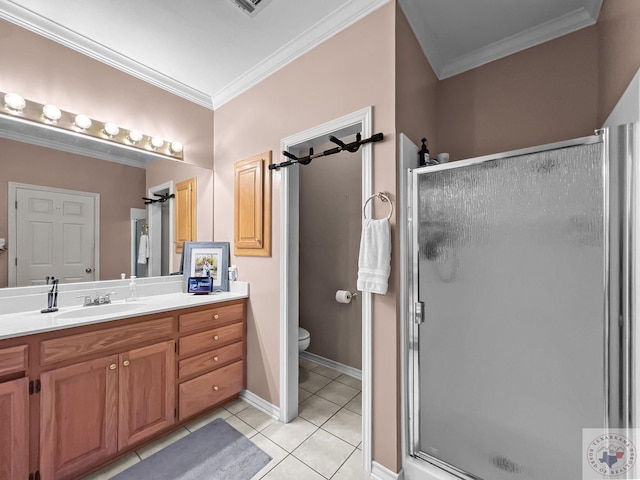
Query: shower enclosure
(521,308)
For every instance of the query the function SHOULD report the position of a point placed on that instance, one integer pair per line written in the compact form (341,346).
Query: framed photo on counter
(207,259)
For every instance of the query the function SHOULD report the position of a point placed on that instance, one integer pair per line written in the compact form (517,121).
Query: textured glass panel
(511,352)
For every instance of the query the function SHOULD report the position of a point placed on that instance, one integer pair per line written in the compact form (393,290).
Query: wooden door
(55,236)
(185,212)
(14,429)
(78,417)
(147,392)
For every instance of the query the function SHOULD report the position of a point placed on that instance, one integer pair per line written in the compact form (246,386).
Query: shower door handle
(419,313)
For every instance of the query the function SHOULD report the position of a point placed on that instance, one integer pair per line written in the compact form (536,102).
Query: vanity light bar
(14,105)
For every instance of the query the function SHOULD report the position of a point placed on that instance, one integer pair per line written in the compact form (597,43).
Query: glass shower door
(509,364)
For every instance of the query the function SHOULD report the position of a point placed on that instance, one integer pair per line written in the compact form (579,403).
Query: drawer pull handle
(125,363)
(113,366)
(215,359)
(215,337)
(216,388)
(216,316)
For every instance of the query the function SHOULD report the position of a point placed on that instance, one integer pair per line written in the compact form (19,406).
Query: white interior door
(55,236)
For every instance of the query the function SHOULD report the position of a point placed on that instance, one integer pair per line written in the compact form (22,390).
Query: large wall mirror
(47,179)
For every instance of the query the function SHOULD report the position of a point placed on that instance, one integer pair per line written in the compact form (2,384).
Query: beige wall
(330,212)
(559,90)
(541,95)
(416,88)
(120,187)
(317,87)
(618,52)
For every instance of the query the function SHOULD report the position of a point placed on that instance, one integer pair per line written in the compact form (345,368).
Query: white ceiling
(210,51)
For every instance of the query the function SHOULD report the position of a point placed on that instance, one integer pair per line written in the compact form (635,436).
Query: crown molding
(38,24)
(323,30)
(531,37)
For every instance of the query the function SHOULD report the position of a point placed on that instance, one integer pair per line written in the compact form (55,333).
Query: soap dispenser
(133,290)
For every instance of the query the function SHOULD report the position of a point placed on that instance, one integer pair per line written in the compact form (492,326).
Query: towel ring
(382,196)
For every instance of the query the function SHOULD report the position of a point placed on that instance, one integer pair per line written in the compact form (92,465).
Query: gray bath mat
(216,451)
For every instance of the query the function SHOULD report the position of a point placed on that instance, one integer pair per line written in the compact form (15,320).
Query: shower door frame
(622,235)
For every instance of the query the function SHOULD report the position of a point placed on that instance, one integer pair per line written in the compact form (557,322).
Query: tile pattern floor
(323,443)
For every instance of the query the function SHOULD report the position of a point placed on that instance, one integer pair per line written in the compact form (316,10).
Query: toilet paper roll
(343,296)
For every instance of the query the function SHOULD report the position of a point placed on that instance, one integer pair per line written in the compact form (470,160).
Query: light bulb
(82,121)
(111,129)
(157,142)
(134,136)
(176,147)
(51,112)
(14,101)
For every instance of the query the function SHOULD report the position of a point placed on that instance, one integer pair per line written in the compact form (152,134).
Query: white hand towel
(143,249)
(374,263)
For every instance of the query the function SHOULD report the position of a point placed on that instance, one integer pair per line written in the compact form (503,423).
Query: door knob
(216,388)
(112,366)
(88,270)
(125,363)
(215,359)
(215,337)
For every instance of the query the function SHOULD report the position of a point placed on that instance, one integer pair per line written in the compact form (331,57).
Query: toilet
(304,339)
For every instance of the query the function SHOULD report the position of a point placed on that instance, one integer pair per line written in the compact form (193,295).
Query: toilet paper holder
(345,296)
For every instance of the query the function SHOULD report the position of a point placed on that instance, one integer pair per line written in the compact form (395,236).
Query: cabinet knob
(113,366)
(216,316)
(215,359)
(126,363)
(215,337)
(216,388)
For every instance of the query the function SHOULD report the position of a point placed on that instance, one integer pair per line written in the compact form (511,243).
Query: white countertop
(30,322)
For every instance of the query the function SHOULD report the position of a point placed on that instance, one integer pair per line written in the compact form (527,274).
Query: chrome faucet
(97,300)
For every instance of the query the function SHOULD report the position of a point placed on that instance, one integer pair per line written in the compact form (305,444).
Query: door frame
(136,214)
(154,217)
(289,281)
(12,240)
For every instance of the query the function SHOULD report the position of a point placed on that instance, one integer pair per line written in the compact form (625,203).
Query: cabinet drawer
(209,389)
(207,361)
(75,346)
(211,339)
(13,359)
(190,322)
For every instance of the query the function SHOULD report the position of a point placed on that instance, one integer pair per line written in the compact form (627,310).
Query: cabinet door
(14,429)
(185,212)
(78,418)
(147,392)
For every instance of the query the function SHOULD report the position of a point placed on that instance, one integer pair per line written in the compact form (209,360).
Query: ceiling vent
(251,7)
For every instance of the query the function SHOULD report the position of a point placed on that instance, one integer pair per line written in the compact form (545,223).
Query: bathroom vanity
(87,390)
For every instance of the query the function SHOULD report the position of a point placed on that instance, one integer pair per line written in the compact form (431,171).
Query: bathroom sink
(100,310)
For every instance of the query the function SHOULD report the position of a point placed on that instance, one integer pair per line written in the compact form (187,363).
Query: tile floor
(324,442)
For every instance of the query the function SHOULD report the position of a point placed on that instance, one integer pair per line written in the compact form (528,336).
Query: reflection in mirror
(116,187)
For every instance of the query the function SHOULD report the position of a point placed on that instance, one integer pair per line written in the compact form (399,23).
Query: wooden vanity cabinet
(14,414)
(92,410)
(104,390)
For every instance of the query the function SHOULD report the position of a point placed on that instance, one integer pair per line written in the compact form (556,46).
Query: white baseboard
(260,403)
(341,367)
(383,473)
